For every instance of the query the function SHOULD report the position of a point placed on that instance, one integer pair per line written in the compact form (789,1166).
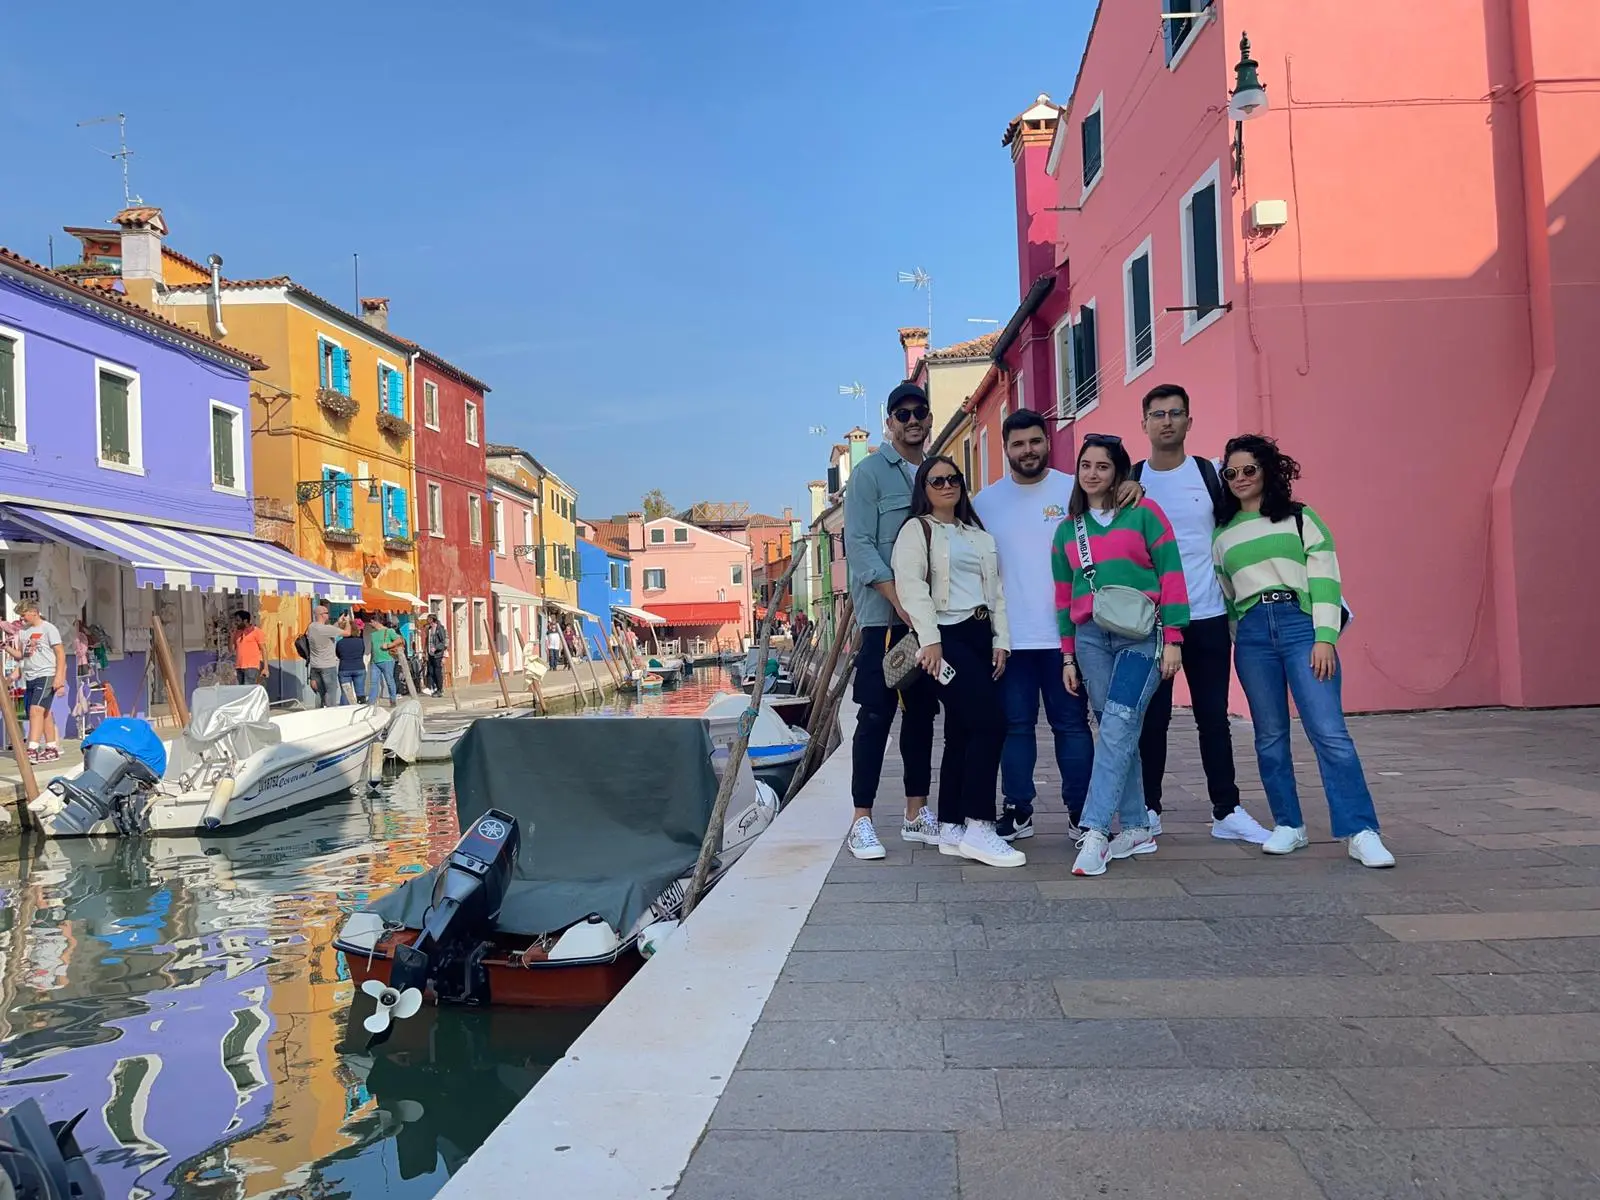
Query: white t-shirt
(1022,517)
(1182,495)
(39,644)
(966,576)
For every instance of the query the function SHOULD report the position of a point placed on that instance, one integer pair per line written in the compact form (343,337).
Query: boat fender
(589,938)
(655,935)
(221,794)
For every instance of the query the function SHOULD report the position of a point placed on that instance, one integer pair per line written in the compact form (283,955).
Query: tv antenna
(922,281)
(860,393)
(818,431)
(122,154)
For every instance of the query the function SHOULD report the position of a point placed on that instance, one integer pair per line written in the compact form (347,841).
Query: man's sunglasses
(1248,471)
(943,482)
(907,415)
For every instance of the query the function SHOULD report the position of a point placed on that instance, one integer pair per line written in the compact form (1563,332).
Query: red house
(452,506)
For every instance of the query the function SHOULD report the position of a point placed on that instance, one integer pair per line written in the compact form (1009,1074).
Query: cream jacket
(923,593)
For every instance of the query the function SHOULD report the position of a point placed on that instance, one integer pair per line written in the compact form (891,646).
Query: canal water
(186,993)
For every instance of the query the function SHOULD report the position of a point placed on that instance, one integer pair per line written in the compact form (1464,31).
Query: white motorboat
(237,762)
(773,741)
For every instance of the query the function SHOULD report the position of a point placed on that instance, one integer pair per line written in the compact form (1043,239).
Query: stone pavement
(1206,1022)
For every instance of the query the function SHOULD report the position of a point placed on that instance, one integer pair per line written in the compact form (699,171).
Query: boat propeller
(392,1005)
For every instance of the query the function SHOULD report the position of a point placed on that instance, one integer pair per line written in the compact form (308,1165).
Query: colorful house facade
(516,562)
(605,581)
(697,581)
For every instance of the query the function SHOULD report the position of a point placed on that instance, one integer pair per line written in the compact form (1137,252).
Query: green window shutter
(8,389)
(223,468)
(113,418)
(1203,245)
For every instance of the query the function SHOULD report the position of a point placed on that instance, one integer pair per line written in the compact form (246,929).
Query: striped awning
(163,556)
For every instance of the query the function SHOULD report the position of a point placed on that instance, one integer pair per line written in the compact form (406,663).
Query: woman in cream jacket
(948,580)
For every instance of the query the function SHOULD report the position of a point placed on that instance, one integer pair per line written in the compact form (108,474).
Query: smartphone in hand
(946,671)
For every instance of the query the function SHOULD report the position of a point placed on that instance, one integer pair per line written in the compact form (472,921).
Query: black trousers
(1208,669)
(974,724)
(877,704)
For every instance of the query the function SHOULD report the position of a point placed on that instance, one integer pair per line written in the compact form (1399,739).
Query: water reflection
(186,993)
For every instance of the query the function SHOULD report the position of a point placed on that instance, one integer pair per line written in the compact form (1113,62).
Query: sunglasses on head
(907,415)
(1248,471)
(1101,439)
(942,482)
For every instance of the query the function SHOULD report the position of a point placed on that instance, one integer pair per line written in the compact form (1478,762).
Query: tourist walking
(876,505)
(435,644)
(385,644)
(947,577)
(1122,608)
(249,650)
(351,649)
(1280,576)
(43,658)
(1187,489)
(322,656)
(553,647)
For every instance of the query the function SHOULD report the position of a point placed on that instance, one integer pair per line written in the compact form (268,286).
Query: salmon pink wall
(698,570)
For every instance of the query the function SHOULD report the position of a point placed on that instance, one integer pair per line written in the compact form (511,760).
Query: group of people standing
(351,660)
(1088,592)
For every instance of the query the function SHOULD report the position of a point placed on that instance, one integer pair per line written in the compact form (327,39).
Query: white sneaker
(863,840)
(981,843)
(1130,842)
(950,839)
(1285,839)
(1153,820)
(1240,826)
(1367,848)
(1093,853)
(924,829)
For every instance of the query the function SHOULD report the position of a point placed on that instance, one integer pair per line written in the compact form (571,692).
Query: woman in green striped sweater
(1280,576)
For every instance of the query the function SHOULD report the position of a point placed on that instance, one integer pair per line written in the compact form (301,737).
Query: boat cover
(769,729)
(404,739)
(612,810)
(223,721)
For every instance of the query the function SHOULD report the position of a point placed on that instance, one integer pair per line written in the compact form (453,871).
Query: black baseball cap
(906,393)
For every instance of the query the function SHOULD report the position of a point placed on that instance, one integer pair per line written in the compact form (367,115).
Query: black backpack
(302,647)
(1208,472)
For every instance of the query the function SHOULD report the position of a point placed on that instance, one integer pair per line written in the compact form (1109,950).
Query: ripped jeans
(1121,675)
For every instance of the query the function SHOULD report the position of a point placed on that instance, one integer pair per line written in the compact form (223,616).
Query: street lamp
(1246,102)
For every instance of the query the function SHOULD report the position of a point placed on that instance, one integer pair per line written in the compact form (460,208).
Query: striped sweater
(1136,550)
(1254,555)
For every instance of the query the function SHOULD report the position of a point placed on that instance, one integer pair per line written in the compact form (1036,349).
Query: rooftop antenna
(122,153)
(818,431)
(859,392)
(982,321)
(921,280)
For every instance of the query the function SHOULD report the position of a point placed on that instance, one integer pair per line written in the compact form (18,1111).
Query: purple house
(125,488)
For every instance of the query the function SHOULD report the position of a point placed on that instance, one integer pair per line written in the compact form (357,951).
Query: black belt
(1279,597)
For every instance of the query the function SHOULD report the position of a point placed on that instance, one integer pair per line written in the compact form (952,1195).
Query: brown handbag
(900,660)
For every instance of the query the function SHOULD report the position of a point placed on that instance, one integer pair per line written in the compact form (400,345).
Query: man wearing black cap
(877,502)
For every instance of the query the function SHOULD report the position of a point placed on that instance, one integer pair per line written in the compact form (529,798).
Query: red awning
(710,612)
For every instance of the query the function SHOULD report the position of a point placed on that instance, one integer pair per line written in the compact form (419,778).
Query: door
(460,640)
(502,635)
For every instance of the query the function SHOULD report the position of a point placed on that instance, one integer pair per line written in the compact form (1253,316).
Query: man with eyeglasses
(877,502)
(1187,489)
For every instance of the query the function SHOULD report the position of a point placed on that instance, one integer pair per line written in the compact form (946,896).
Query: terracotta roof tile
(613,535)
(978,347)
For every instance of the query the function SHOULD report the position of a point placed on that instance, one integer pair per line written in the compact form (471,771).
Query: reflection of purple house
(179,1077)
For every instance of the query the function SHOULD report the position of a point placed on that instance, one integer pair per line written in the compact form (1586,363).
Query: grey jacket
(877,501)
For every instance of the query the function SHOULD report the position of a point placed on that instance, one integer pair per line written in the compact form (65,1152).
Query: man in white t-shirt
(1186,489)
(1021,512)
(44,677)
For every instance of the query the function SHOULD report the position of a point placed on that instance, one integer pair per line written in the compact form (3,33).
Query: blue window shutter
(341,370)
(328,499)
(397,394)
(322,363)
(402,511)
(347,501)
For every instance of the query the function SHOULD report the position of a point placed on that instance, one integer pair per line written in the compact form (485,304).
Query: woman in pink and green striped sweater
(1128,548)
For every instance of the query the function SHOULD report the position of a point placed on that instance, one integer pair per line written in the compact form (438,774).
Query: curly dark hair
(1279,472)
(921,506)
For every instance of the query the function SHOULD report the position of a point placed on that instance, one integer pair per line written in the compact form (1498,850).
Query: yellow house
(555,551)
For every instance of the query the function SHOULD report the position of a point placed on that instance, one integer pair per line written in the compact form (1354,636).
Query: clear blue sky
(664,233)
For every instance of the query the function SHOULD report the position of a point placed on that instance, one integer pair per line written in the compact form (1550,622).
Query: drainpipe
(216,295)
(1541,314)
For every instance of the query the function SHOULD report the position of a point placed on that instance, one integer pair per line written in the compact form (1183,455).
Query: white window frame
(1022,391)
(435,495)
(680,536)
(1062,349)
(1193,325)
(658,536)
(385,486)
(135,463)
(474,431)
(1131,368)
(480,626)
(1099,107)
(983,455)
(497,527)
(383,392)
(430,404)
(19,359)
(475,518)
(239,488)
(659,571)
(527,527)
(736,574)
(1093,305)
(1206,15)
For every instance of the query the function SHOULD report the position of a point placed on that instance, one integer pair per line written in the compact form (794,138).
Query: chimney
(858,440)
(635,532)
(142,230)
(819,496)
(375,311)
(914,341)
(1029,137)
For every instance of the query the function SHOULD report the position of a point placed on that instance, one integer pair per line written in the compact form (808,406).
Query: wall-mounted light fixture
(1247,101)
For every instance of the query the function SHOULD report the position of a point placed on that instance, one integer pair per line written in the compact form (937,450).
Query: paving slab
(822,1166)
(1530,1037)
(1325,1042)
(1456,1097)
(859,1100)
(1443,1164)
(1488,926)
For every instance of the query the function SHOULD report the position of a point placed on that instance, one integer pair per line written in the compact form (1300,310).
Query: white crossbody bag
(1124,611)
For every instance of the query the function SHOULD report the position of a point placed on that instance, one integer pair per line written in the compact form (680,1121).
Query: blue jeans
(358,684)
(382,682)
(324,682)
(1272,653)
(1030,675)
(1120,675)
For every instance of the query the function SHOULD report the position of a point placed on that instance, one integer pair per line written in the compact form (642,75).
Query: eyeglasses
(1161,414)
(1248,471)
(1101,439)
(907,415)
(942,482)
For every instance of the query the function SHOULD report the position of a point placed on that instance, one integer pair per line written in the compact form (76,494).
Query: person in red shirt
(249,650)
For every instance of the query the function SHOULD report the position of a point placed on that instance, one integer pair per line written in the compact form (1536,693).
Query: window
(13,390)
(392,390)
(983,456)
(475,520)
(333,366)
(966,458)
(396,512)
(527,528)
(472,423)
(1092,134)
(737,575)
(497,527)
(105,603)
(680,534)
(1085,360)
(1201,233)
(655,579)
(1181,31)
(616,577)
(1061,343)
(338,500)
(1138,314)
(117,417)
(435,510)
(480,627)
(227,448)
(430,404)
(657,536)
(833,479)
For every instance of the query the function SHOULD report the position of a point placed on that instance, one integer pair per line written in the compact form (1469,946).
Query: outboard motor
(123,761)
(467,894)
(41,1160)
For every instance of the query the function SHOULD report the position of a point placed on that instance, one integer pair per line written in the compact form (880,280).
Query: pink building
(697,580)
(1394,269)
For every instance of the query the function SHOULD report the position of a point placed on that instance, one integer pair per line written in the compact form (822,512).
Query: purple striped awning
(162,556)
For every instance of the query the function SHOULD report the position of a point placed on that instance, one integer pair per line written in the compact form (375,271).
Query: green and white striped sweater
(1254,555)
